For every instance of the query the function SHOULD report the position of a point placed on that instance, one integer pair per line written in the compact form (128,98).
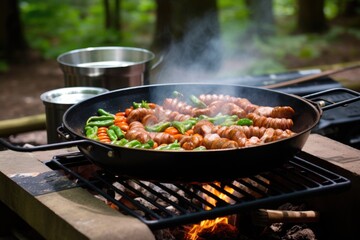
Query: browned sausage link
(275,112)
(161,137)
(169,115)
(249,131)
(179,106)
(231,132)
(203,127)
(214,141)
(268,122)
(282,112)
(252,131)
(209,98)
(138,114)
(191,142)
(149,119)
(218,106)
(243,103)
(137,132)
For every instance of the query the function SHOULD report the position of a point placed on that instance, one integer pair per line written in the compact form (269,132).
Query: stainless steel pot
(56,103)
(107,67)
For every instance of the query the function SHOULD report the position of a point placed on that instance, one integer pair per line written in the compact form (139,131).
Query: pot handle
(326,104)
(157,63)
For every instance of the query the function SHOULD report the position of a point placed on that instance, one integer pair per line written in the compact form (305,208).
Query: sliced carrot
(152,105)
(124,126)
(128,111)
(178,136)
(120,114)
(171,130)
(189,132)
(120,118)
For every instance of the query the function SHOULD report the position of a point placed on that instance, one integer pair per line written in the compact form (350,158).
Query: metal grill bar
(161,205)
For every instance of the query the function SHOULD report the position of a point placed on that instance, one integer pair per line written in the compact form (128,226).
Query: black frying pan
(189,166)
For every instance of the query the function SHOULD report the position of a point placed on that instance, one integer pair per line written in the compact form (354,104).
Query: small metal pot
(107,67)
(56,103)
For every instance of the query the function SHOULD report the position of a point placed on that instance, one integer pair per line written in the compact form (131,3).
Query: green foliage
(3,66)
(53,27)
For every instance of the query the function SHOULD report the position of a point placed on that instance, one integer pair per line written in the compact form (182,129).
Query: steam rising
(194,58)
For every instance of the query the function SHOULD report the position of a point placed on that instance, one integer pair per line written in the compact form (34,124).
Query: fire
(210,225)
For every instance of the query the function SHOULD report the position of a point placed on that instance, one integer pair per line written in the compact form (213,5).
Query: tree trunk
(162,36)
(112,14)
(12,40)
(351,9)
(188,33)
(262,17)
(311,17)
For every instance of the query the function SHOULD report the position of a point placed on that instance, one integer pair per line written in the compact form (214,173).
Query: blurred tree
(112,14)
(351,8)
(311,16)
(12,39)
(262,17)
(188,32)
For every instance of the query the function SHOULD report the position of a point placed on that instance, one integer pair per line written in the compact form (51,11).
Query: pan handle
(326,104)
(45,147)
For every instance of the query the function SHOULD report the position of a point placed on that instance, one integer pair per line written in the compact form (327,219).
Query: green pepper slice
(133,144)
(102,112)
(160,127)
(142,104)
(101,123)
(91,132)
(197,102)
(111,133)
(244,122)
(117,131)
(121,142)
(172,146)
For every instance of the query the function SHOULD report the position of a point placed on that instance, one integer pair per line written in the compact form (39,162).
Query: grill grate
(161,205)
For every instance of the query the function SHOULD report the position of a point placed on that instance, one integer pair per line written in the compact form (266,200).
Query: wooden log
(23,124)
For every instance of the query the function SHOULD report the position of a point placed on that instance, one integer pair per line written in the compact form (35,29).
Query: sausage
(269,122)
(138,114)
(243,103)
(203,127)
(161,137)
(169,115)
(223,107)
(137,132)
(149,119)
(179,106)
(275,112)
(214,141)
(191,142)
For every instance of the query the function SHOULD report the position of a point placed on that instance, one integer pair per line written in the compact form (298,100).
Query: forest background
(223,37)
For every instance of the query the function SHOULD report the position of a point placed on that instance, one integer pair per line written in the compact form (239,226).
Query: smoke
(196,56)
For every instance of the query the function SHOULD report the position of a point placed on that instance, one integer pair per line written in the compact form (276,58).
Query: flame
(210,224)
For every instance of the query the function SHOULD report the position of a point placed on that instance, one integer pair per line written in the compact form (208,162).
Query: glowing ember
(211,226)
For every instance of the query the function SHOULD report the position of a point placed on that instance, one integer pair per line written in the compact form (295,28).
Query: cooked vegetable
(197,102)
(214,122)
(160,127)
(244,122)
